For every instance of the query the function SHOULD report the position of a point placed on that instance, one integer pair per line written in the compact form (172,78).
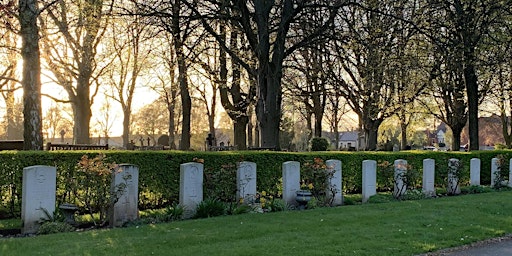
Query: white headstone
(453,186)
(38,196)
(335,189)
(191,187)
(400,186)
(291,181)
(246,182)
(429,172)
(510,173)
(474,171)
(369,179)
(494,171)
(125,187)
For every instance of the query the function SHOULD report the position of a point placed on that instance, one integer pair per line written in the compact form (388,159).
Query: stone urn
(303,197)
(68,210)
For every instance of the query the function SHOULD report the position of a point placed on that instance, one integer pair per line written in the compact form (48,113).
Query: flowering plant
(316,176)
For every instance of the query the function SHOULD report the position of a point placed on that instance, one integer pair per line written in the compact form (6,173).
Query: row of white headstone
(39,186)
(39,189)
(191,183)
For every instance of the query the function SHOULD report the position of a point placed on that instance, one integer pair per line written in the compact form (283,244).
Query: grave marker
(125,187)
(191,187)
(400,184)
(38,196)
(453,187)
(246,182)
(335,189)
(369,179)
(291,181)
(474,167)
(429,172)
(494,171)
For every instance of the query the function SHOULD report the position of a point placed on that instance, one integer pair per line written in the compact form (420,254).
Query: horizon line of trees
(268,64)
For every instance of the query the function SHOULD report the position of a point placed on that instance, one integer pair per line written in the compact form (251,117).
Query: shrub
(220,183)
(316,177)
(475,189)
(93,184)
(210,208)
(174,212)
(414,194)
(319,144)
(381,198)
(54,227)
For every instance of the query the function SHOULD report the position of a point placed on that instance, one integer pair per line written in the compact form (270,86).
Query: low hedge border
(159,170)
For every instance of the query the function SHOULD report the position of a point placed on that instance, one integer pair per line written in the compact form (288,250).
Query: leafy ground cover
(394,228)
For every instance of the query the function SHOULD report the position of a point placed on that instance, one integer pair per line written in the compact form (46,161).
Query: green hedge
(159,170)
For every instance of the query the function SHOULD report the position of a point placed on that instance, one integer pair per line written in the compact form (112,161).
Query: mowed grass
(396,228)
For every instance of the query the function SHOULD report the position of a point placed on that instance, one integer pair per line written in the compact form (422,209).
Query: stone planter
(303,197)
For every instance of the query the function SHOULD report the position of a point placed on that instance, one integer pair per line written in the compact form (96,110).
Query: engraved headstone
(453,186)
(369,179)
(510,173)
(191,187)
(125,190)
(429,172)
(494,171)
(335,188)
(38,196)
(474,169)
(400,186)
(291,181)
(246,182)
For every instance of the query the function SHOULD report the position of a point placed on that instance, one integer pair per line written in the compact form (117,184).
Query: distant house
(349,140)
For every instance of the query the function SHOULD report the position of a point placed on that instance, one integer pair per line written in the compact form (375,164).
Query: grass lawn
(396,228)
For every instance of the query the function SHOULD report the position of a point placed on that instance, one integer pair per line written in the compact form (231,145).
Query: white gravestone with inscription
(38,196)
(494,171)
(474,169)
(369,179)
(191,187)
(454,167)
(429,173)
(291,181)
(400,186)
(335,188)
(125,191)
(510,173)
(246,182)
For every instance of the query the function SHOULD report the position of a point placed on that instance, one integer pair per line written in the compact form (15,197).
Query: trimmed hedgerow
(159,170)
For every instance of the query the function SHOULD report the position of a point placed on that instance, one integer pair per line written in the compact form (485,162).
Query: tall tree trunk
(472,94)
(31,81)
(186,101)
(371,129)
(10,113)
(456,131)
(126,126)
(250,127)
(403,128)
(82,116)
(172,125)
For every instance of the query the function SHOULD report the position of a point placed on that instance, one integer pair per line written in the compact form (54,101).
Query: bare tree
(9,56)
(364,69)
(272,31)
(73,31)
(130,45)
(465,25)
